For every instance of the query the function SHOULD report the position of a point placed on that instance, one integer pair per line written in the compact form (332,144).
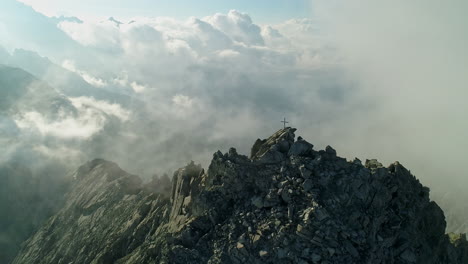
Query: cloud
(409,58)
(66,128)
(182,101)
(63,153)
(382,80)
(90,120)
(96,82)
(98,106)
(208,74)
(228,53)
(137,87)
(238,26)
(352,76)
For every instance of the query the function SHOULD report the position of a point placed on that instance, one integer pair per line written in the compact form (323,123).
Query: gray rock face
(275,148)
(286,204)
(300,148)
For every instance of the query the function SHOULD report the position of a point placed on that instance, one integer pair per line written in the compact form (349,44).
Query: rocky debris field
(286,203)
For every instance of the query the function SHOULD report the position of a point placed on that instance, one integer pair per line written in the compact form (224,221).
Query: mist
(380,80)
(185,88)
(409,61)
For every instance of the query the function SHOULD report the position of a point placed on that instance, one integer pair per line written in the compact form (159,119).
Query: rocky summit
(286,203)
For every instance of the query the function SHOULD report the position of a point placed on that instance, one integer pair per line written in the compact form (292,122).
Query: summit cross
(284,122)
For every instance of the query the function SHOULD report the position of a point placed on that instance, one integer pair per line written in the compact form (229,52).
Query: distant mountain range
(67,82)
(21,92)
(35,31)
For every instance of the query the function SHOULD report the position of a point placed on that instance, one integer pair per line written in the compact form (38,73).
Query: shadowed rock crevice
(287,203)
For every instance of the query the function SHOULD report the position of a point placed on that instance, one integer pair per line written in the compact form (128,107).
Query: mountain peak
(287,204)
(115,21)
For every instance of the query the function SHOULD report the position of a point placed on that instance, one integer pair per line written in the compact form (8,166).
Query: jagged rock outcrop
(287,203)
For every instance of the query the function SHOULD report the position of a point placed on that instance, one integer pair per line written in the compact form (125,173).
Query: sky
(266,11)
(383,80)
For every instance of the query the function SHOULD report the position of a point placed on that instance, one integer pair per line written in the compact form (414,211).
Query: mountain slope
(67,82)
(25,204)
(287,203)
(34,31)
(32,161)
(21,91)
(107,214)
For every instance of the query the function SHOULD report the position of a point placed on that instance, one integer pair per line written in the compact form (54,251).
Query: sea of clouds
(384,80)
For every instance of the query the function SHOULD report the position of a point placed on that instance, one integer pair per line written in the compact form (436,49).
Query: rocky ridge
(286,203)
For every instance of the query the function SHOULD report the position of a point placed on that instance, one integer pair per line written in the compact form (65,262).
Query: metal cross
(284,122)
